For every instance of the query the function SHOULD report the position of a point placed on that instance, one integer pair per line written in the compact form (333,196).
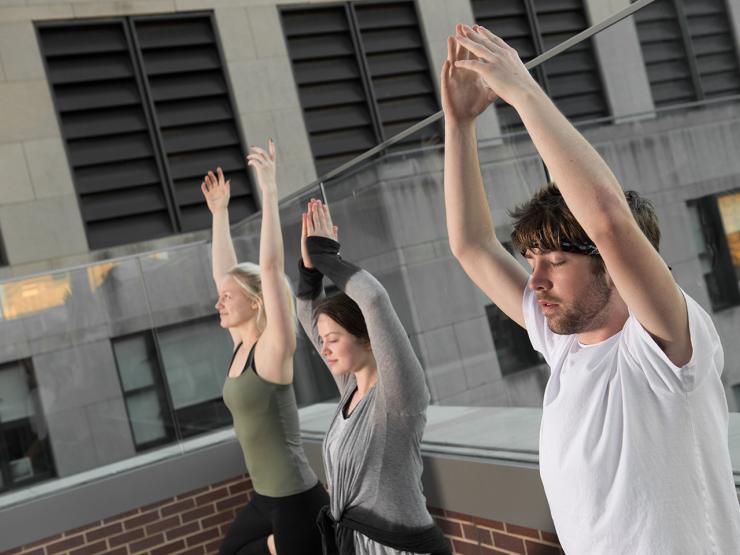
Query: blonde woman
(255,304)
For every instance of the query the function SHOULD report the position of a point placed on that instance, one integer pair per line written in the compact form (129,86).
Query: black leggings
(291,519)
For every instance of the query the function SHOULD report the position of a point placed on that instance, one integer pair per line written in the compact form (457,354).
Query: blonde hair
(249,278)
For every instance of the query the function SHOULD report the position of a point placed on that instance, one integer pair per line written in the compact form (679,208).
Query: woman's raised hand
(216,190)
(264,161)
(316,222)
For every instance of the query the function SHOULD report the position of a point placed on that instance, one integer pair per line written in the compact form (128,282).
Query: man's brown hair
(546,223)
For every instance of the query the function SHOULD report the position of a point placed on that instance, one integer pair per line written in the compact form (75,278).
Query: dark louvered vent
(194,115)
(130,133)
(111,149)
(398,67)
(664,50)
(532,27)
(689,50)
(331,87)
(713,44)
(362,75)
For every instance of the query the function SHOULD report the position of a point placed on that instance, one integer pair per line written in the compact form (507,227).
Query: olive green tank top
(266,424)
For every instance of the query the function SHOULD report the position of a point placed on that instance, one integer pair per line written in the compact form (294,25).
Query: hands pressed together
(479,68)
(316,222)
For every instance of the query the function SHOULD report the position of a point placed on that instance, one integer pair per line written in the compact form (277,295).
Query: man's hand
(496,63)
(464,93)
(216,190)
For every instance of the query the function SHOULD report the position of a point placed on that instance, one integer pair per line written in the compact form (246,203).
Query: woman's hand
(465,94)
(216,190)
(495,62)
(316,222)
(263,162)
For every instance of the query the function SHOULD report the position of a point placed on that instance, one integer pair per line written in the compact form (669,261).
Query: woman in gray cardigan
(372,449)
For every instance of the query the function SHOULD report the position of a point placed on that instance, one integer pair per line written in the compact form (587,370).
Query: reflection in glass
(29,296)
(195,356)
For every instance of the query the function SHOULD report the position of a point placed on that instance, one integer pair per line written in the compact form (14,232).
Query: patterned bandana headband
(588,249)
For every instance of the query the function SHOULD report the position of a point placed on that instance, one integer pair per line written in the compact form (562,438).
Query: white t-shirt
(633,450)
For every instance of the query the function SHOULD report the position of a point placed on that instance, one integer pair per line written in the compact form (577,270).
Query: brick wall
(472,535)
(195,522)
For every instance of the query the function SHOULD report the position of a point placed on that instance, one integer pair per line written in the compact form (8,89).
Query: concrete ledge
(477,461)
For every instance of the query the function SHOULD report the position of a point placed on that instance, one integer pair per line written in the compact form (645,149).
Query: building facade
(112,110)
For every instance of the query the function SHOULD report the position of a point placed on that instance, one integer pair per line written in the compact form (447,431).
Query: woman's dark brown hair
(345,312)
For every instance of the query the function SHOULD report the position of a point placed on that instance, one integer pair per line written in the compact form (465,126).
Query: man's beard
(585,314)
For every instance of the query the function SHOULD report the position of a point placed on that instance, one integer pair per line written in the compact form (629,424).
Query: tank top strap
(250,359)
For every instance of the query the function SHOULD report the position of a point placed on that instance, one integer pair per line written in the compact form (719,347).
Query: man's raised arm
(592,194)
(469,225)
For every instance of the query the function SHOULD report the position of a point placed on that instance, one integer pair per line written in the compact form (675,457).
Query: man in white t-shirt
(633,443)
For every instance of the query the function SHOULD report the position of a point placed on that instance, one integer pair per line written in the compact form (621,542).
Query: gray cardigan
(374,466)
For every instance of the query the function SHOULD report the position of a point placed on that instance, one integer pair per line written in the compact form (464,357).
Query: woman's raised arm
(278,340)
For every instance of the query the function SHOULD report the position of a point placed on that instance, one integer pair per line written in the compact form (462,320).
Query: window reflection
(29,296)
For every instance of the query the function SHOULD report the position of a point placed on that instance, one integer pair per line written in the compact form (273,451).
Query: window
(3,257)
(363,75)
(172,381)
(139,370)
(716,224)
(25,454)
(532,27)
(513,348)
(195,358)
(689,50)
(145,110)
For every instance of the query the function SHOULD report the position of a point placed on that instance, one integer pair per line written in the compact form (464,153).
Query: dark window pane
(513,349)
(25,454)
(716,232)
(143,390)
